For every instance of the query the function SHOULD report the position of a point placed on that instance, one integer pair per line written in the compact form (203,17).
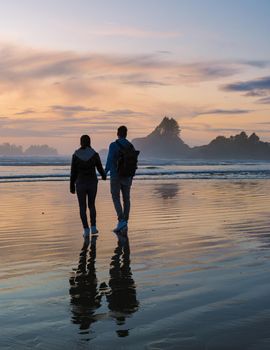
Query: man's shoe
(94,230)
(86,233)
(121,224)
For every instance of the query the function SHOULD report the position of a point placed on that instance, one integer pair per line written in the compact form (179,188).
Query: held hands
(104,176)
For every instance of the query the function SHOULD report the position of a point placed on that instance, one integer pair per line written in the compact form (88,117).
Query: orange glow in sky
(65,75)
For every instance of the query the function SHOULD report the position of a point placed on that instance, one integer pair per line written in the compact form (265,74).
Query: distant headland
(165,142)
(7,149)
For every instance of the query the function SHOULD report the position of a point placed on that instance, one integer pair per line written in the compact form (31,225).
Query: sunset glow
(69,68)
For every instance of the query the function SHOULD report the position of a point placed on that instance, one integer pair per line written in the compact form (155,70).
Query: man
(119,183)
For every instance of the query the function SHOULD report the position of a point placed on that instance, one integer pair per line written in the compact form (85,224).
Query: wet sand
(193,272)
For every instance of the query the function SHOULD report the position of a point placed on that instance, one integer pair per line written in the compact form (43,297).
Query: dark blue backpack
(127,162)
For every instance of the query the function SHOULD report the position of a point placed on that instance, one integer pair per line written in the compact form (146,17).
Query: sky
(73,67)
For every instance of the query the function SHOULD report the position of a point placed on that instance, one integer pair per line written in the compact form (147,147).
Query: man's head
(122,131)
(85,141)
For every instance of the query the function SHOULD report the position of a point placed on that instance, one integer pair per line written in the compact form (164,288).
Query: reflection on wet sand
(86,295)
(84,292)
(167,191)
(122,298)
(201,262)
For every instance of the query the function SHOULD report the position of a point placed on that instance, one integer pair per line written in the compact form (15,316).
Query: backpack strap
(123,147)
(120,145)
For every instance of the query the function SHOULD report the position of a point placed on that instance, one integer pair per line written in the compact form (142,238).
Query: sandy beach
(193,274)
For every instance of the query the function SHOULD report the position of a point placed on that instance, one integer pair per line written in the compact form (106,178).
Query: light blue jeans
(123,185)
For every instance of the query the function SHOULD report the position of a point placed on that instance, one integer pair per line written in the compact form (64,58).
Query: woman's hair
(85,141)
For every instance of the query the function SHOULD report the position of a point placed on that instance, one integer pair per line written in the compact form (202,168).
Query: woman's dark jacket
(84,163)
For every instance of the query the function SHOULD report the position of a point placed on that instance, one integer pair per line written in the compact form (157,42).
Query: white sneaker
(94,230)
(86,233)
(121,224)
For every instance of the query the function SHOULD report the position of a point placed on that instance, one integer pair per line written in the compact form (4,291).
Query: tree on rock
(253,138)
(168,127)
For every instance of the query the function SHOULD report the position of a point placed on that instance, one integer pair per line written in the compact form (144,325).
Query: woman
(83,176)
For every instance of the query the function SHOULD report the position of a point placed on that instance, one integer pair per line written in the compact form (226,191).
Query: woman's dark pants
(86,193)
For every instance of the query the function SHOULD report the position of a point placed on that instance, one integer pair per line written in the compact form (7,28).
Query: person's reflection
(122,299)
(84,295)
(167,191)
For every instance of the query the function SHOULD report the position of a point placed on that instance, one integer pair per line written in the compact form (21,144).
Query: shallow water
(36,169)
(194,273)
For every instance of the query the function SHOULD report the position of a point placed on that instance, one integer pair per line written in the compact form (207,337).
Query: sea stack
(163,142)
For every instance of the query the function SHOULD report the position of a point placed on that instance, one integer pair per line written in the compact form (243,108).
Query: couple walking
(121,164)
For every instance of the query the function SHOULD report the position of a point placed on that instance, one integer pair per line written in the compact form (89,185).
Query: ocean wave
(152,175)
(144,163)
(34,176)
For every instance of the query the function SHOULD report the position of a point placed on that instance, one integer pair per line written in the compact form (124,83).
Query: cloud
(254,86)
(214,70)
(23,132)
(135,79)
(18,63)
(96,92)
(124,112)
(207,127)
(79,72)
(69,124)
(4,121)
(72,109)
(142,80)
(224,130)
(225,111)
(255,93)
(264,100)
(256,63)
(26,111)
(195,127)
(42,127)
(152,71)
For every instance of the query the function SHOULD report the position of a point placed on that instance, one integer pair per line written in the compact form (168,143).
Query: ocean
(31,169)
(192,272)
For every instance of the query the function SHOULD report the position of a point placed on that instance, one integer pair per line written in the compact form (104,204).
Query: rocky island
(165,142)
